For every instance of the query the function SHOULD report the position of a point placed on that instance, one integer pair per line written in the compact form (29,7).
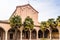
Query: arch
(40,34)
(55,33)
(2,28)
(33,34)
(11,34)
(25,34)
(46,33)
(2,34)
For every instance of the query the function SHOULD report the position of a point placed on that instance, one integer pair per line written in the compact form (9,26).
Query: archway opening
(2,34)
(55,33)
(25,34)
(11,34)
(46,33)
(33,34)
(40,34)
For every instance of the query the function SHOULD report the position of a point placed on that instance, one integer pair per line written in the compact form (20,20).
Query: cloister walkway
(25,35)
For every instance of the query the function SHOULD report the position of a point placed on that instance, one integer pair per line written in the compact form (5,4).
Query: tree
(15,23)
(28,24)
(58,21)
(43,27)
(52,24)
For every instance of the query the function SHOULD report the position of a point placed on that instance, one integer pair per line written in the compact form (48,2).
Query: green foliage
(58,21)
(43,25)
(28,23)
(52,23)
(15,21)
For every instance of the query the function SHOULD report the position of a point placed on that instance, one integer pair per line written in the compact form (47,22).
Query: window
(11,36)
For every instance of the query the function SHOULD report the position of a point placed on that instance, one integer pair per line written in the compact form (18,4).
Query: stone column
(37,34)
(59,34)
(21,35)
(59,31)
(50,35)
(30,35)
(6,35)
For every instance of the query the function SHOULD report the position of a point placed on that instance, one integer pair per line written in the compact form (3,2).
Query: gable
(27,6)
(26,10)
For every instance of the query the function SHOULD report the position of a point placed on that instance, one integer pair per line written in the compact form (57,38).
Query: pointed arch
(46,33)
(34,34)
(2,34)
(40,34)
(55,33)
(11,34)
(25,34)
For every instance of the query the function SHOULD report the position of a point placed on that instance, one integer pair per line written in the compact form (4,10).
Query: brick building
(6,33)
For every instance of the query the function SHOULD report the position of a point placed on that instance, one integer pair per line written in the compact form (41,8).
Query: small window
(11,36)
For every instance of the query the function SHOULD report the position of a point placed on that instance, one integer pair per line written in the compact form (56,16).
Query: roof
(6,22)
(28,5)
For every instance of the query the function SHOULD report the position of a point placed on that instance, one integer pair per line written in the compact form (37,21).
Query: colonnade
(35,34)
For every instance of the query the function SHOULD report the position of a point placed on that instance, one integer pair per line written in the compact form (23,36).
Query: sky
(47,8)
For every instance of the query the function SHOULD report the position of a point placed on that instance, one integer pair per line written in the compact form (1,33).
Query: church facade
(6,33)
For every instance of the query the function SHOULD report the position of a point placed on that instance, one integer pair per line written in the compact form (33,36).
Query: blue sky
(46,8)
